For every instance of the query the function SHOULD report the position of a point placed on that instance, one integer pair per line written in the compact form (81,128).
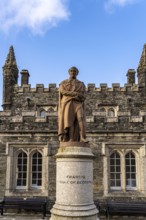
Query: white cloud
(36,15)
(110,4)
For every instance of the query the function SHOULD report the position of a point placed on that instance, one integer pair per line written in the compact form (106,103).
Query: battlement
(38,89)
(90,88)
(115,88)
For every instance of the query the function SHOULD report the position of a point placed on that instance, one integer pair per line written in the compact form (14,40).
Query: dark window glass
(36,169)
(130,170)
(111,113)
(21,169)
(115,170)
(42,114)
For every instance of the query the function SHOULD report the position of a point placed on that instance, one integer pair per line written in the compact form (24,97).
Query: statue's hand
(78,96)
(81,96)
(74,93)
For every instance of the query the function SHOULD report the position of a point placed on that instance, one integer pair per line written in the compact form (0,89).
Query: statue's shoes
(84,140)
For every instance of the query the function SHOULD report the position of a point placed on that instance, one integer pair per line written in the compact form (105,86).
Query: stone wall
(128,104)
(23,123)
(2,169)
(127,124)
(115,121)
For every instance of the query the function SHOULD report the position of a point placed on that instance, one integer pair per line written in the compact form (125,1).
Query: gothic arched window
(130,165)
(36,179)
(21,169)
(42,114)
(115,171)
(111,112)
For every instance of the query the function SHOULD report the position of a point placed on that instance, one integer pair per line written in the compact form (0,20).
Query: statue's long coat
(69,104)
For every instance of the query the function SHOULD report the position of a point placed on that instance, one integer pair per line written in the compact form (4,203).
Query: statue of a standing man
(71,109)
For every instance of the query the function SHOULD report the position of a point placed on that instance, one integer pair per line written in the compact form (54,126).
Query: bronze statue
(71,109)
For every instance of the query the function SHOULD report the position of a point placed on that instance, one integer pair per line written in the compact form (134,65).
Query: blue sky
(103,38)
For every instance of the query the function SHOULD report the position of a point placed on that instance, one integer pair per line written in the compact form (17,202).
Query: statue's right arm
(65,92)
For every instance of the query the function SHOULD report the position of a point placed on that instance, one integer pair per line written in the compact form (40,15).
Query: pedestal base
(55,217)
(88,212)
(74,184)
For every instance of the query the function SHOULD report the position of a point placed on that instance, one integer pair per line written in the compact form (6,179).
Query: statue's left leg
(71,133)
(81,123)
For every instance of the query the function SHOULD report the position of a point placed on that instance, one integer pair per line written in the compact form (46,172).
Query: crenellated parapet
(38,89)
(115,87)
(90,88)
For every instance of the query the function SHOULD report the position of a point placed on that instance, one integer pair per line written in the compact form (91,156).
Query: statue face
(73,73)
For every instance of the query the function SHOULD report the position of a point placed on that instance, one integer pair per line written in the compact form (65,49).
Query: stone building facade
(116,129)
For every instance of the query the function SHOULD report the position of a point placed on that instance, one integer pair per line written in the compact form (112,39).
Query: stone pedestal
(74,183)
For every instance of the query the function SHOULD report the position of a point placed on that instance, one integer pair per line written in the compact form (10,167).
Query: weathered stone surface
(74,183)
(21,124)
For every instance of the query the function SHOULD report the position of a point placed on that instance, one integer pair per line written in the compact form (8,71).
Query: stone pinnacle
(10,60)
(142,63)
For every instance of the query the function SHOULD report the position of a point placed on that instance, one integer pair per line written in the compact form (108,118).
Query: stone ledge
(126,113)
(112,119)
(74,150)
(5,113)
(136,119)
(74,144)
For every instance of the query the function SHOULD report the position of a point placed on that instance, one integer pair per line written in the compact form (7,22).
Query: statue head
(73,72)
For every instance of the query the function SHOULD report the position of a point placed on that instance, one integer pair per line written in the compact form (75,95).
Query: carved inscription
(73,179)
